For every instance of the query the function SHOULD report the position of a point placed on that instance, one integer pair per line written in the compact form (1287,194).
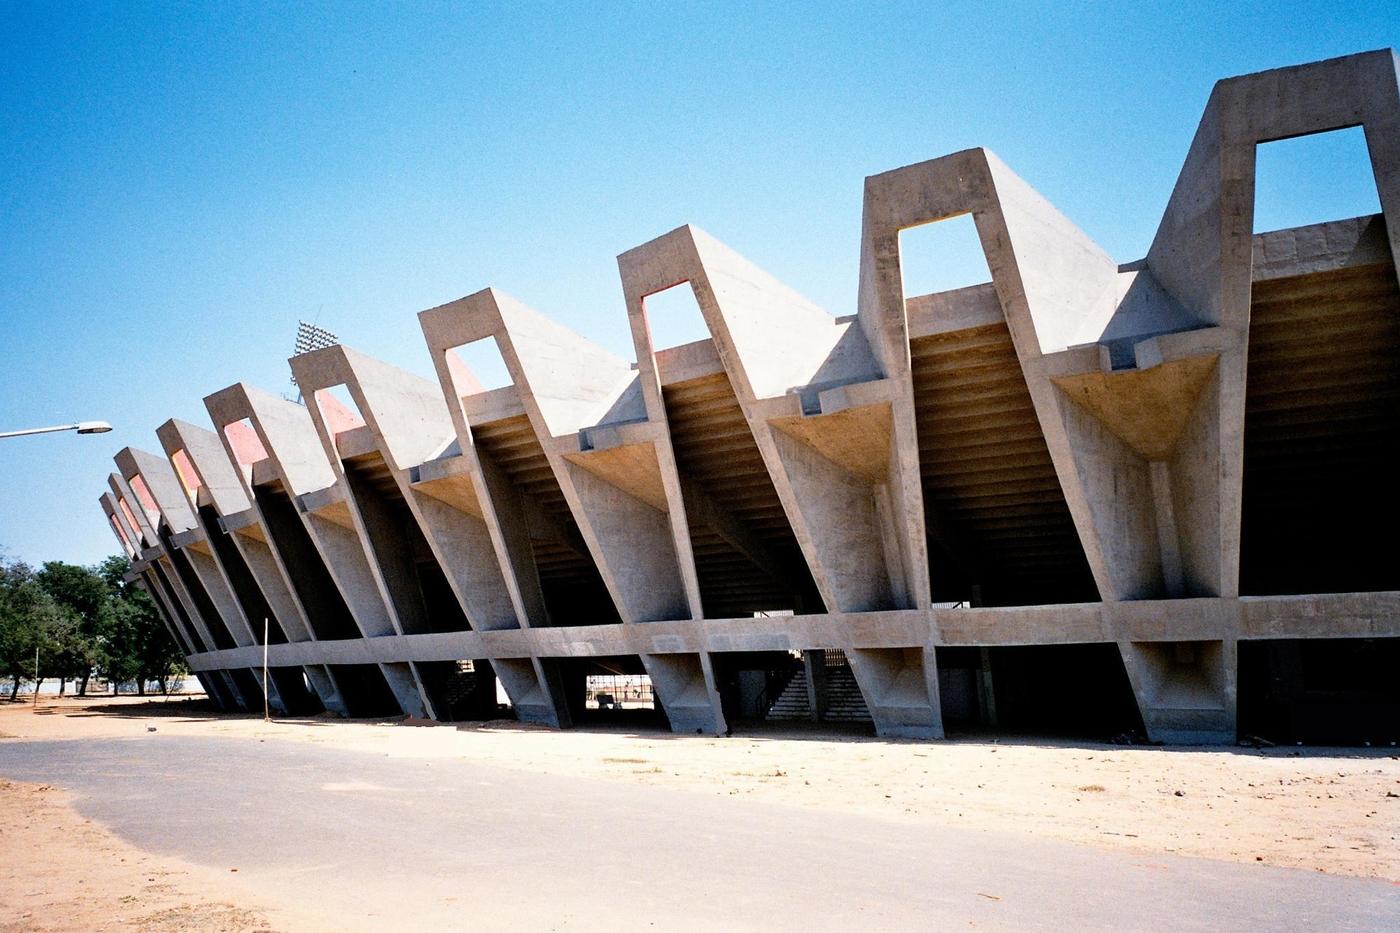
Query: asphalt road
(373,842)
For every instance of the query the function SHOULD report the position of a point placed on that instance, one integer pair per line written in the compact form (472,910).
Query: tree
(74,619)
(85,593)
(28,618)
(135,644)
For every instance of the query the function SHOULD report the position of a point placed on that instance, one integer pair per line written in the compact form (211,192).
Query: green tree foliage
(28,620)
(81,619)
(86,596)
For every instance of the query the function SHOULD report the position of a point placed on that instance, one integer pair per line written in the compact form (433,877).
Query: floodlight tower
(310,337)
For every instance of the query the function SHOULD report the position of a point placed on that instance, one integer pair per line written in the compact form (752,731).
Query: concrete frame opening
(941,256)
(365,691)
(1071,691)
(1310,179)
(246,445)
(187,474)
(146,500)
(462,691)
(1324,691)
(610,692)
(673,317)
(338,408)
(121,536)
(479,366)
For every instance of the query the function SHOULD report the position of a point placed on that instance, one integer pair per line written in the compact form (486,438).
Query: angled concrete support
(1203,256)
(216,495)
(297,464)
(187,545)
(192,570)
(900,687)
(1121,375)
(325,686)
(447,497)
(685,684)
(406,424)
(586,408)
(587,412)
(834,425)
(238,545)
(140,573)
(992,446)
(140,519)
(1185,689)
(302,503)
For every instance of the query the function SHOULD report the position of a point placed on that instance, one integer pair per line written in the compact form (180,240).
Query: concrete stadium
(1087,497)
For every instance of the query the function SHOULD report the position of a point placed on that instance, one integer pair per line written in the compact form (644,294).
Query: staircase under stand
(844,702)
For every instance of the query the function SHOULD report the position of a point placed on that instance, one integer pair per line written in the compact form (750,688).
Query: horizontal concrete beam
(1344,615)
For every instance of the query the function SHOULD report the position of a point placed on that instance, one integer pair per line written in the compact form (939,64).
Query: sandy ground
(1328,810)
(62,872)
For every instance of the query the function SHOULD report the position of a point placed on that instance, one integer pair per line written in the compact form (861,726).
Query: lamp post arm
(57,427)
(82,427)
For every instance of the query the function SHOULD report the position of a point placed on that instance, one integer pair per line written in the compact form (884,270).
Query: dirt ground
(62,872)
(1333,810)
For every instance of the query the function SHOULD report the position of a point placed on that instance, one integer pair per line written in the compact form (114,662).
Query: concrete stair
(463,693)
(844,702)
(791,705)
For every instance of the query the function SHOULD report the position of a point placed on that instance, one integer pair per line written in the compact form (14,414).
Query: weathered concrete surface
(1054,457)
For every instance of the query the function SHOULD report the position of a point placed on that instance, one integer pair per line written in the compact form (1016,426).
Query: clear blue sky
(179,183)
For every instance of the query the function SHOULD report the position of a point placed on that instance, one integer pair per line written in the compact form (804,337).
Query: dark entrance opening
(461,690)
(1064,691)
(364,690)
(248,687)
(752,684)
(1323,691)
(215,683)
(298,699)
(611,691)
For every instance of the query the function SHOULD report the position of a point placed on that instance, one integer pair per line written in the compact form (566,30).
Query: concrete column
(1186,690)
(900,687)
(814,665)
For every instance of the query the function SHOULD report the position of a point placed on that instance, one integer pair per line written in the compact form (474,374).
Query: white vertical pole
(267,714)
(36,675)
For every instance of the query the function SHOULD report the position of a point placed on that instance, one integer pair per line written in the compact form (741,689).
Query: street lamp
(82,427)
